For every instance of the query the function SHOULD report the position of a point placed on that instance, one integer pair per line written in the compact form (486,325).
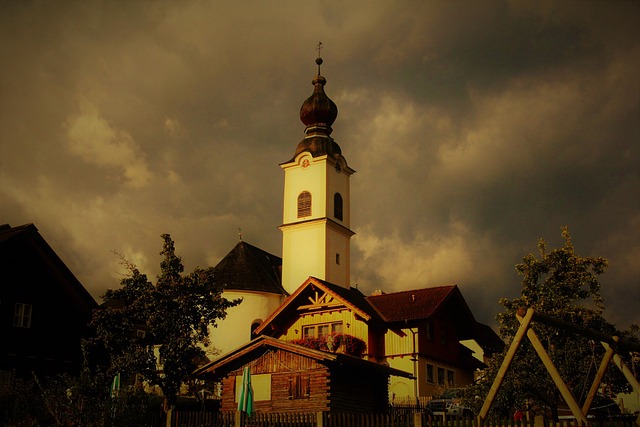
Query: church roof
(248,268)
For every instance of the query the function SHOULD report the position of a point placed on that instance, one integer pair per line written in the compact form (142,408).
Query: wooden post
(508,358)
(238,419)
(319,419)
(417,419)
(538,421)
(626,372)
(556,377)
(598,379)
(628,375)
(169,416)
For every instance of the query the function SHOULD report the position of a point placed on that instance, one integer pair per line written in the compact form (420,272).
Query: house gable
(317,303)
(52,304)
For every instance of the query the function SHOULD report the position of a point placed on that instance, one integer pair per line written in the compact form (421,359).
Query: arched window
(304,204)
(337,206)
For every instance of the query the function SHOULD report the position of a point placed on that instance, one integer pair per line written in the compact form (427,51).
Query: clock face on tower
(338,167)
(305,163)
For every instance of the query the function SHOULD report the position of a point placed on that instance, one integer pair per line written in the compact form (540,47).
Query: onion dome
(318,112)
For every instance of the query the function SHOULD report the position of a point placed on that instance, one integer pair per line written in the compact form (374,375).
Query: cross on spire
(319,58)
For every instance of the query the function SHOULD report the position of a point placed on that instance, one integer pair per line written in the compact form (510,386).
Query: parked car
(449,404)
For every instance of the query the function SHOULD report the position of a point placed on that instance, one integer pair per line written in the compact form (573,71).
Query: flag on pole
(115,385)
(245,402)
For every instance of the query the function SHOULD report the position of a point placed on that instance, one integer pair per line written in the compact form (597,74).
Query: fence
(194,418)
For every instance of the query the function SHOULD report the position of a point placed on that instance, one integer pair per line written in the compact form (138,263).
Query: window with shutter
(304,204)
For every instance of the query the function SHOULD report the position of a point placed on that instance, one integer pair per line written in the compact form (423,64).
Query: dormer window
(304,204)
(337,206)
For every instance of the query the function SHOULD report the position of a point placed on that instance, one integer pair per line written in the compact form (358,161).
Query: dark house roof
(36,281)
(248,268)
(27,238)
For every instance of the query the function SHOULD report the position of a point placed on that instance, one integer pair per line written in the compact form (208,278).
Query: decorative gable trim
(324,298)
(321,301)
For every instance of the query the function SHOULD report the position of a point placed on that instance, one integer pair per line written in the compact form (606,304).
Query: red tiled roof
(411,305)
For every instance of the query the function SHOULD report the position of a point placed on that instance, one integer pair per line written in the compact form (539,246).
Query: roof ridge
(413,290)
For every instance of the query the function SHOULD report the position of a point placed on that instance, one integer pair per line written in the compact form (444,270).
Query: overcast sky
(475,127)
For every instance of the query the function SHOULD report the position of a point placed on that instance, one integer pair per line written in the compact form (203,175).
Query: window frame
(451,379)
(304,204)
(444,336)
(338,207)
(22,315)
(442,376)
(328,328)
(430,373)
(299,386)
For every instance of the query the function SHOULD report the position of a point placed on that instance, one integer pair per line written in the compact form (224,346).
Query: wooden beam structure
(612,344)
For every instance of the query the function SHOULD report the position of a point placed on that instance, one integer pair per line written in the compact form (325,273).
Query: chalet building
(44,309)
(287,377)
(412,339)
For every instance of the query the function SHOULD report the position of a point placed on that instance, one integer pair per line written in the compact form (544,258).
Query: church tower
(317,209)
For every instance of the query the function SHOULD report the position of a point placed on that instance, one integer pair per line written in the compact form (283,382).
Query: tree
(564,285)
(159,331)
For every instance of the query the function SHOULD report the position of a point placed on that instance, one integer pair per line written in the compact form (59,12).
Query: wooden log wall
(285,369)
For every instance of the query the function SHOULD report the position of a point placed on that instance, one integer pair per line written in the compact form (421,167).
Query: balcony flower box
(335,343)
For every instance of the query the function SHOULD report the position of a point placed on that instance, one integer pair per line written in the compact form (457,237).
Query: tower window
(304,204)
(338,259)
(337,206)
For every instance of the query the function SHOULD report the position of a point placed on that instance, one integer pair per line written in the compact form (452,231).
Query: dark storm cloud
(475,128)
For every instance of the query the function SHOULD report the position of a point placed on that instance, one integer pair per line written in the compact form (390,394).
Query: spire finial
(319,58)
(240,233)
